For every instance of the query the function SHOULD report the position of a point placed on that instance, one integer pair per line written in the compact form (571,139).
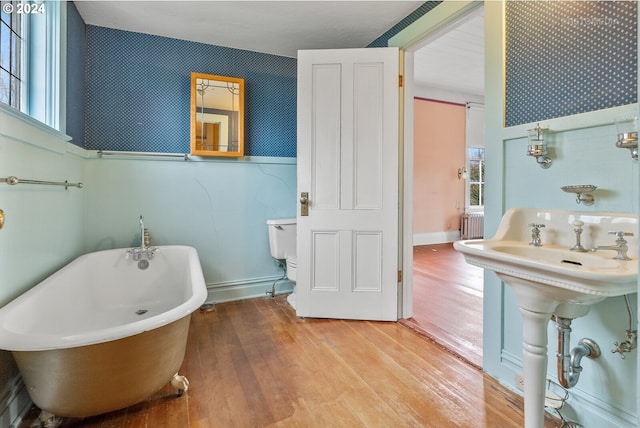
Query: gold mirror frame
(217,115)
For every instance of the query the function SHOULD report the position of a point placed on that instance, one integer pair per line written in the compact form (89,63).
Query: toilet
(282,244)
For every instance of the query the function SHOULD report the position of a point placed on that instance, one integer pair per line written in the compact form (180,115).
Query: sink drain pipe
(568,363)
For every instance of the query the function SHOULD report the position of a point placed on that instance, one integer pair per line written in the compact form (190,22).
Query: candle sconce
(538,147)
(628,135)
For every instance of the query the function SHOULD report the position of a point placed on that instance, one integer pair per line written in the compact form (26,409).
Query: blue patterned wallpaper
(563,58)
(137,91)
(76,53)
(138,97)
(569,57)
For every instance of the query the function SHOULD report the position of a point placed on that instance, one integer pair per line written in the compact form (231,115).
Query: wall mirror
(217,115)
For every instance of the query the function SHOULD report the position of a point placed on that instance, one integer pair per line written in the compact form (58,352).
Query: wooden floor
(447,300)
(253,363)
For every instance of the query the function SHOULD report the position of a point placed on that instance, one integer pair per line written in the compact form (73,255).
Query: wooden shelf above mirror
(217,115)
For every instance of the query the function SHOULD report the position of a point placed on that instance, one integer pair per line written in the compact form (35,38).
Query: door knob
(304,203)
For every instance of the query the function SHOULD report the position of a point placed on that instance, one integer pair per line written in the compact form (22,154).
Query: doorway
(447,292)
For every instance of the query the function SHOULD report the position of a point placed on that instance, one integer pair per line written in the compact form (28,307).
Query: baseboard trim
(14,403)
(436,237)
(247,289)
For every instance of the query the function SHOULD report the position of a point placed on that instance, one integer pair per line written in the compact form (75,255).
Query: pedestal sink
(552,279)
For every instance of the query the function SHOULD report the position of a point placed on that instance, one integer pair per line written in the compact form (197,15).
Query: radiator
(471,225)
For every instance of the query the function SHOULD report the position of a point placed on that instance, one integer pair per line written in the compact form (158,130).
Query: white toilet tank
(282,237)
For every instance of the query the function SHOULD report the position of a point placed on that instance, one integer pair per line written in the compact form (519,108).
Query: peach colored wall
(439,150)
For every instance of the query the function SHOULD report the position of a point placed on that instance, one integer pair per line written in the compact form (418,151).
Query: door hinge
(399,276)
(400,80)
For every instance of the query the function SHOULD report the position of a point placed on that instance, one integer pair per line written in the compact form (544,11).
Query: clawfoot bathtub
(105,331)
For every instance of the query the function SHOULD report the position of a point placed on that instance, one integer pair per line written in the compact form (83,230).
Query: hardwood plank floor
(447,300)
(253,363)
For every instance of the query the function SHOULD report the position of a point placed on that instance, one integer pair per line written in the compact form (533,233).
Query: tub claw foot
(49,420)
(181,383)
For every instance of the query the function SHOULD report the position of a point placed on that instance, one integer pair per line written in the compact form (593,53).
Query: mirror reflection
(217,115)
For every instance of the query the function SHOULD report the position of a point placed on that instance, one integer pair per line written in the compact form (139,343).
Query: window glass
(5,83)
(476,177)
(5,46)
(10,56)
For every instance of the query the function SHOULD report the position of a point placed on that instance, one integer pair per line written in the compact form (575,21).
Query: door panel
(326,135)
(368,135)
(367,267)
(326,264)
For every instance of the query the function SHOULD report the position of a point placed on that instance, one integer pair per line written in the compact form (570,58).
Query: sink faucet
(578,231)
(621,246)
(535,234)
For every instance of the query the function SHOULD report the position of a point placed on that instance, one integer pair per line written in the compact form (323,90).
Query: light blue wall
(44,225)
(583,156)
(220,207)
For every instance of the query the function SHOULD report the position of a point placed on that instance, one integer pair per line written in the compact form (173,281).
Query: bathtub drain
(143,264)
(141,311)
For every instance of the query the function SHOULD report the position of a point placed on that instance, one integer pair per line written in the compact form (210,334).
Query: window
(32,59)
(476,177)
(474,192)
(11,40)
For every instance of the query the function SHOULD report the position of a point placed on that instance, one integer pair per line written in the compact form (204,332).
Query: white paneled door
(348,140)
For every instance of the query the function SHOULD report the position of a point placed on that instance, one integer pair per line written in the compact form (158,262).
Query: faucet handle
(538,225)
(621,233)
(535,234)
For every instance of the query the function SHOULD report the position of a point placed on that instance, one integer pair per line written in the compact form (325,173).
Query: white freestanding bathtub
(105,331)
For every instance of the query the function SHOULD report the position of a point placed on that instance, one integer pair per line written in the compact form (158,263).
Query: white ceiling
(275,27)
(453,61)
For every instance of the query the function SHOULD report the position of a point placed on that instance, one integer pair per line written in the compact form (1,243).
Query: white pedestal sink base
(536,307)
(534,366)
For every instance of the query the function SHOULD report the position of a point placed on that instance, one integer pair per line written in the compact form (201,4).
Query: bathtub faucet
(142,246)
(143,250)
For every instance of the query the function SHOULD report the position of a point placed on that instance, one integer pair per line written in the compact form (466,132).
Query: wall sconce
(537,147)
(462,174)
(628,135)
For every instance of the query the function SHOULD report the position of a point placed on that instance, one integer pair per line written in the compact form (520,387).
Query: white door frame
(421,32)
